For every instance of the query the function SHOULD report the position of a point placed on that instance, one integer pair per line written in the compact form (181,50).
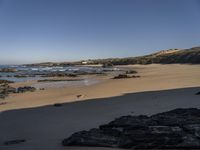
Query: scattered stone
(131,72)
(80,96)
(176,129)
(59,74)
(5,90)
(57,105)
(5,81)
(125,76)
(14,142)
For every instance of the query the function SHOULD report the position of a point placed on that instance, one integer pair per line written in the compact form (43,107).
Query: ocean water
(36,73)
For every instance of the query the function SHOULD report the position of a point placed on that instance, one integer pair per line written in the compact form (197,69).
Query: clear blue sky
(67,30)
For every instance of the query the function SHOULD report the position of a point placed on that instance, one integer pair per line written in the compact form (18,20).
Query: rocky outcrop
(125,76)
(25,89)
(24,75)
(176,129)
(5,90)
(59,74)
(5,81)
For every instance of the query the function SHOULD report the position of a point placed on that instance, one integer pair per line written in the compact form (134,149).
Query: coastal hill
(171,56)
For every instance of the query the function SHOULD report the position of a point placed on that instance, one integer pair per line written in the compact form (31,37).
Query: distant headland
(170,56)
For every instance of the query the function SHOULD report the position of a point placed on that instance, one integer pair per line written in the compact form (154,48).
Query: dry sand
(160,88)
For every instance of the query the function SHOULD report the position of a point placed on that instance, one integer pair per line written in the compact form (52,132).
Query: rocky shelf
(176,129)
(6,89)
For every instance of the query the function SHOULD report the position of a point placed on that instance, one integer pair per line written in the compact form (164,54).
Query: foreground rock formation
(176,129)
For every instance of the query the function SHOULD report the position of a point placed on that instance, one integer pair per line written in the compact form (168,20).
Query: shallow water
(35,73)
(61,84)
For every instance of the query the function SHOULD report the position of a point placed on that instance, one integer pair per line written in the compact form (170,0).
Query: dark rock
(122,76)
(80,96)
(131,72)
(125,76)
(127,122)
(178,117)
(14,142)
(25,89)
(5,81)
(57,105)
(24,75)
(176,129)
(59,74)
(5,90)
(94,137)
(20,76)
(198,93)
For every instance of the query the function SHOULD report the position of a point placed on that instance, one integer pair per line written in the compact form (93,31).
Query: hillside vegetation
(171,56)
(190,56)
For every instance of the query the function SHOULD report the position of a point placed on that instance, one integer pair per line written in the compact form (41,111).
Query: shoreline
(153,78)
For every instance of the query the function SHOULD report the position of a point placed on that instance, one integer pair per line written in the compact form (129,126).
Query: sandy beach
(33,117)
(99,74)
(153,78)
